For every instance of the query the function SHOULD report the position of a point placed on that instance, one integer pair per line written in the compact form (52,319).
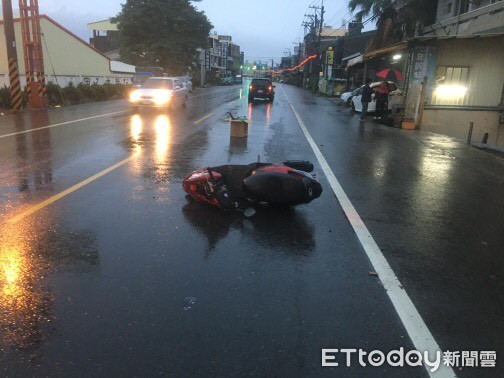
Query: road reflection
(30,255)
(150,135)
(136,125)
(237,147)
(249,114)
(135,142)
(282,230)
(34,161)
(25,305)
(163,134)
(268,113)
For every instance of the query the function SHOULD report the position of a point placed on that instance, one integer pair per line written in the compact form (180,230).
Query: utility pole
(319,44)
(318,28)
(33,54)
(10,42)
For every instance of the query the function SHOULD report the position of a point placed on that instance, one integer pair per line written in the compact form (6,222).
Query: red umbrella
(391,74)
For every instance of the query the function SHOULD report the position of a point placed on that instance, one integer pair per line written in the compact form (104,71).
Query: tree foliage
(423,11)
(163,33)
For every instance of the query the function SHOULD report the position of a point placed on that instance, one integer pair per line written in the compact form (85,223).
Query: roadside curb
(493,150)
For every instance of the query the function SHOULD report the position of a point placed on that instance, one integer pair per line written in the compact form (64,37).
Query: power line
(333,18)
(307,9)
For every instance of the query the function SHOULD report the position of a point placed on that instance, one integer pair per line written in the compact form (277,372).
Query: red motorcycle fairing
(197,186)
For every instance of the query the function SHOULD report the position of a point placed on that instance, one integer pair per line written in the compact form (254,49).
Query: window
(260,81)
(451,83)
(450,75)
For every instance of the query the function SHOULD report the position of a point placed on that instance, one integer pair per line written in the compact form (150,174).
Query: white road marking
(61,124)
(415,326)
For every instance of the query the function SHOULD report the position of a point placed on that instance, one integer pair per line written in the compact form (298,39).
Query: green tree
(163,33)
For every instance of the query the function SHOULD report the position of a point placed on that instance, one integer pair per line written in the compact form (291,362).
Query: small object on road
(189,303)
(249,212)
(373,274)
(238,126)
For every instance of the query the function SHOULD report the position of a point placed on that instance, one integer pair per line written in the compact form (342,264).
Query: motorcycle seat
(276,187)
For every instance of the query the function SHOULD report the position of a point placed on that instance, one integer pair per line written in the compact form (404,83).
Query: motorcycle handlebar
(211,173)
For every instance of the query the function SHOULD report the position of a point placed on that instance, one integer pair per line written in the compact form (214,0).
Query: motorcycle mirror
(249,212)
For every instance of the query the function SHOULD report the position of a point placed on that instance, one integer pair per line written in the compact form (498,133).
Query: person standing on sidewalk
(382,100)
(366,98)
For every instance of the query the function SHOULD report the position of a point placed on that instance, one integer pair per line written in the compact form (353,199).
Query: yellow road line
(56,197)
(62,123)
(202,119)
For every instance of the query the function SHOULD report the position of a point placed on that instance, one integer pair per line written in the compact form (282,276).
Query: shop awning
(356,60)
(374,53)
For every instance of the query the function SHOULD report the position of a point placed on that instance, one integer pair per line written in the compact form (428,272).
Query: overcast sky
(263,28)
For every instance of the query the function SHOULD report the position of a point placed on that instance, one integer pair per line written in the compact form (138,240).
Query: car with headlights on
(160,92)
(262,88)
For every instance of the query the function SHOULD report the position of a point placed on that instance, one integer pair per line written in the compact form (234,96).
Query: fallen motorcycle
(236,187)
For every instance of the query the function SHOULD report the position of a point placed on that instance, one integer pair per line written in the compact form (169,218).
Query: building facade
(461,61)
(220,59)
(453,70)
(464,84)
(67,58)
(106,38)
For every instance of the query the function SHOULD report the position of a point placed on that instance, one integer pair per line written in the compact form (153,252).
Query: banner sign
(224,54)
(208,61)
(330,57)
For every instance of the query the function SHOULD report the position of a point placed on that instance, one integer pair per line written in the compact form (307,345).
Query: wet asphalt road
(126,276)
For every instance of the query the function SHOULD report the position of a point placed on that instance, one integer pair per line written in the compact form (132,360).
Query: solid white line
(61,124)
(415,326)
